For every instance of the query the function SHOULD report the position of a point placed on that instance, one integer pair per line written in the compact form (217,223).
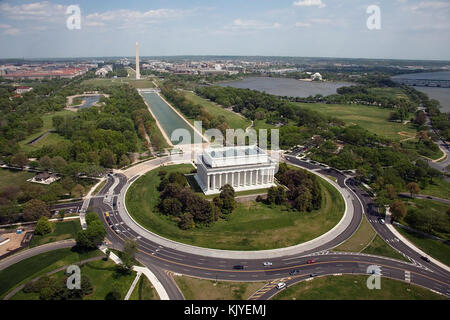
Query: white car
(281,285)
(267,264)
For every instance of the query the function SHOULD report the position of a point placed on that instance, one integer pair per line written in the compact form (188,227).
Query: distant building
(316,77)
(23,89)
(103,71)
(242,167)
(44,178)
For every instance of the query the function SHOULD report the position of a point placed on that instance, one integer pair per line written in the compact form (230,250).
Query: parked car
(281,285)
(267,264)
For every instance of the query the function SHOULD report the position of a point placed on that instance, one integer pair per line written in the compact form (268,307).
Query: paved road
(424,196)
(165,258)
(28,253)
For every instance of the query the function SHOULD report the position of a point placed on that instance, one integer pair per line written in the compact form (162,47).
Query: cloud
(252,24)
(303,24)
(309,23)
(309,3)
(44,11)
(125,18)
(431,5)
(11,32)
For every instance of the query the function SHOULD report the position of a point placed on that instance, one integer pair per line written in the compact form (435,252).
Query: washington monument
(138,71)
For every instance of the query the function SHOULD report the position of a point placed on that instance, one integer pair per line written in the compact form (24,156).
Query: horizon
(403,29)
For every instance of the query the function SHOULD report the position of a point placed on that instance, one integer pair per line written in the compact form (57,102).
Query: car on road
(267,264)
(294,272)
(425,258)
(311,261)
(428,197)
(281,285)
(116,230)
(238,267)
(106,214)
(382,221)
(313,275)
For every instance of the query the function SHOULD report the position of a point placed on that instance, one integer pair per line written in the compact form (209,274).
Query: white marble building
(242,167)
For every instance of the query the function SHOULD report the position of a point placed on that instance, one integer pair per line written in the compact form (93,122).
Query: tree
(398,210)
(413,188)
(186,221)
(45,162)
(19,160)
(35,209)
(107,158)
(78,191)
(58,164)
(43,226)
(129,252)
(124,161)
(94,234)
(391,191)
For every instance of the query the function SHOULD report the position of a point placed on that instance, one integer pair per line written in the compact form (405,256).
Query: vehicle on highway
(116,230)
(238,267)
(106,214)
(294,272)
(267,264)
(313,275)
(425,258)
(382,221)
(281,285)
(428,197)
(311,261)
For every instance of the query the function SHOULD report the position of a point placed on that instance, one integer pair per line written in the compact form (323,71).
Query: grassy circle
(251,226)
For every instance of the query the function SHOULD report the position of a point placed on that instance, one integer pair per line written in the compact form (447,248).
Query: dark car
(425,259)
(294,272)
(428,197)
(313,275)
(238,267)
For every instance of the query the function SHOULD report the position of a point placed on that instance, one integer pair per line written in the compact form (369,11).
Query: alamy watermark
(73,22)
(374,280)
(74,279)
(374,20)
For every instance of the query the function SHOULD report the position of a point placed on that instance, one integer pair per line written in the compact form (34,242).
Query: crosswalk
(267,287)
(407,276)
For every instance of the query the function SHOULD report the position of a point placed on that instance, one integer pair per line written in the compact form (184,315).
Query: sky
(409,29)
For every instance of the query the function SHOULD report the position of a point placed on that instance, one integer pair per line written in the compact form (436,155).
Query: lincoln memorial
(242,167)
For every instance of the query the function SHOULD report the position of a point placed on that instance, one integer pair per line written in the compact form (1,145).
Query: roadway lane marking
(407,276)
(278,269)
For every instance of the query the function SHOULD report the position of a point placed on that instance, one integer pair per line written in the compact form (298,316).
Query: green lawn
(202,289)
(13,177)
(379,247)
(103,277)
(367,241)
(389,93)
(144,290)
(62,231)
(349,287)
(30,268)
(439,188)
(429,207)
(374,119)
(251,226)
(434,248)
(139,84)
(233,120)
(51,138)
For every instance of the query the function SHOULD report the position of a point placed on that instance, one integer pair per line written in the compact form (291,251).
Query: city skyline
(410,29)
